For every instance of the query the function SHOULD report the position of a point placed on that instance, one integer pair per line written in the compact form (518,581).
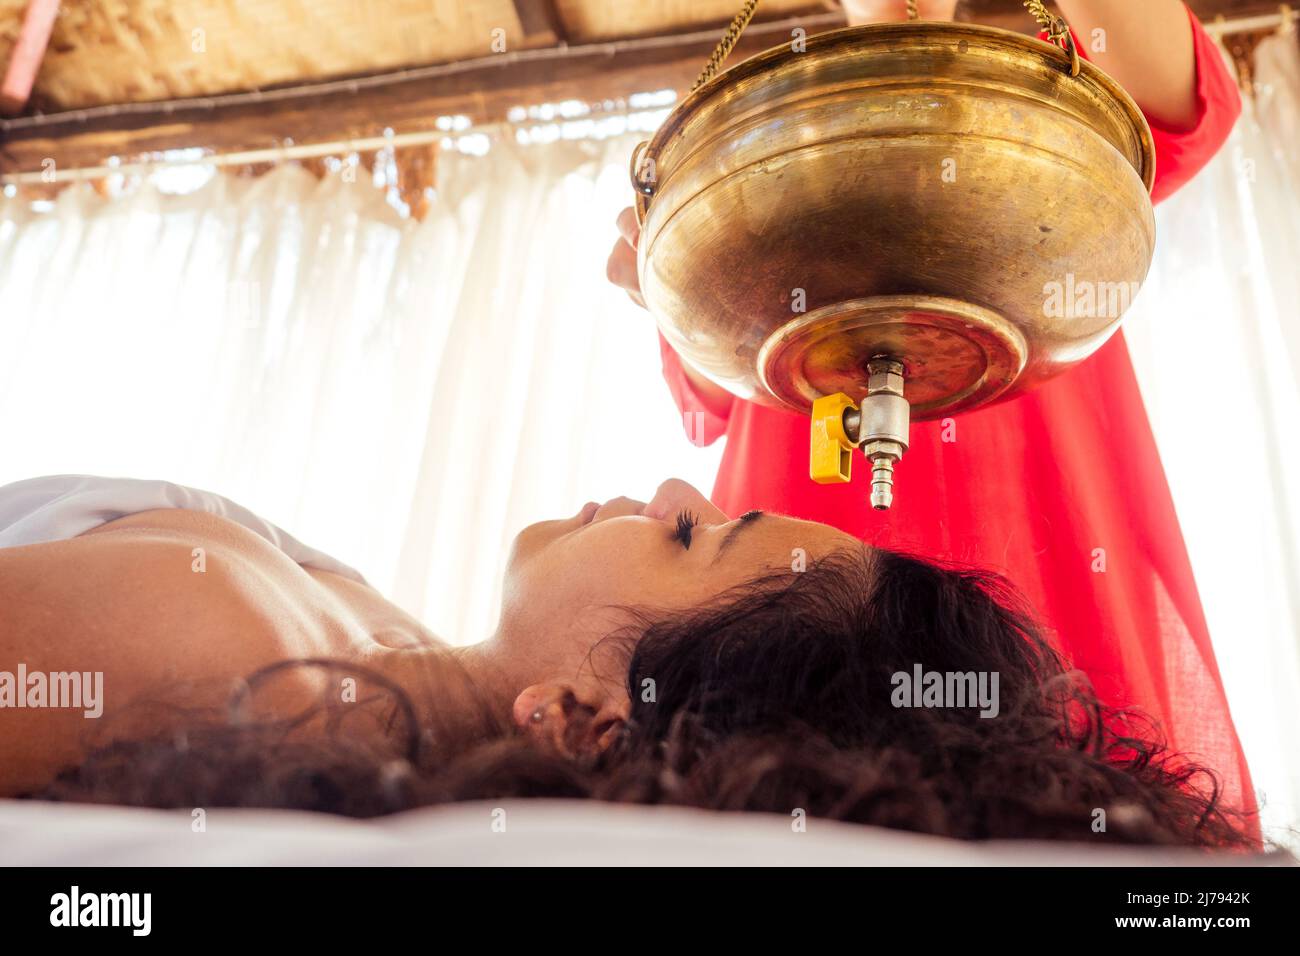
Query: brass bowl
(916,190)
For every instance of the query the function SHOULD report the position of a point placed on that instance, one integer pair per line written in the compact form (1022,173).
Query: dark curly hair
(778,697)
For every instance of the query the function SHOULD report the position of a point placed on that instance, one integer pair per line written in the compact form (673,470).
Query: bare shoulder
(160,605)
(189,589)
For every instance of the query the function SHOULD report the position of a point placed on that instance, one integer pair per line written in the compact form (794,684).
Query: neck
(448,685)
(485,669)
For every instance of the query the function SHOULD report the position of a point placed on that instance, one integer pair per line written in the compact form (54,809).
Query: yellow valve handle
(831,459)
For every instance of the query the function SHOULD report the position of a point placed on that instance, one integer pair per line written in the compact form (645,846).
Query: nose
(618,508)
(675,496)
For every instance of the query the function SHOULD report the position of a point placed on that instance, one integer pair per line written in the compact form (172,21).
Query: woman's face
(674,552)
(570,582)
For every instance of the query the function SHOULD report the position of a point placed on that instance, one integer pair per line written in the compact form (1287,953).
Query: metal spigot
(879,426)
(885,418)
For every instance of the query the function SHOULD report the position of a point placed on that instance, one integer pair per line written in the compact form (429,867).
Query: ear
(577,720)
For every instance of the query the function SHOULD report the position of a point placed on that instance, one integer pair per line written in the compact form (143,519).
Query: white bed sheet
(536,832)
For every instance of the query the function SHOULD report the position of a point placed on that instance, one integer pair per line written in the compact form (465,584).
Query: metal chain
(1052,24)
(1057,30)
(727,42)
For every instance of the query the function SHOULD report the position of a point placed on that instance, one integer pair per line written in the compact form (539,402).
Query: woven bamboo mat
(114,51)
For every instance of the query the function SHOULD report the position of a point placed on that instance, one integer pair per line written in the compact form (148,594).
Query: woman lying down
(646,653)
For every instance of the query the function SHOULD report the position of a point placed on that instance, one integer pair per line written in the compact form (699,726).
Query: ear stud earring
(537,716)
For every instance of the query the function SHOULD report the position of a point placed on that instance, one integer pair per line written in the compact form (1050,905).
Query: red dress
(1043,488)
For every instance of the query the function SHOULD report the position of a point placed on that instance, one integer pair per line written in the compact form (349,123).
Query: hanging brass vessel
(947,197)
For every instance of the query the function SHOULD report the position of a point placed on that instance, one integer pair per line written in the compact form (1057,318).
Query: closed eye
(686,522)
(744,521)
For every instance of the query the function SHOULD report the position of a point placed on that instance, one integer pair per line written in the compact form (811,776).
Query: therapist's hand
(621,267)
(621,270)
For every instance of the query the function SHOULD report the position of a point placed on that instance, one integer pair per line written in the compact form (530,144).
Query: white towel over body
(59,507)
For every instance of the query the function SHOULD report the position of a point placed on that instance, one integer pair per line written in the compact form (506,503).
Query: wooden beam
(1209,10)
(483,90)
(27,54)
(1006,12)
(541,22)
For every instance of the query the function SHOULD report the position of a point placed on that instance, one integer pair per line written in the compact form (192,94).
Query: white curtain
(1215,337)
(404,396)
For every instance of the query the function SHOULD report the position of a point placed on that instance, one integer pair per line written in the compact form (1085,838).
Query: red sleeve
(703,426)
(1182,153)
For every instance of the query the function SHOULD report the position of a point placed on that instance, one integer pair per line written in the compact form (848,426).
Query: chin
(534,538)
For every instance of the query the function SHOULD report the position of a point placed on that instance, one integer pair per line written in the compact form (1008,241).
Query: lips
(588,512)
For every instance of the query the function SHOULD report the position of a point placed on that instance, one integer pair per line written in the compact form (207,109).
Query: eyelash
(685,523)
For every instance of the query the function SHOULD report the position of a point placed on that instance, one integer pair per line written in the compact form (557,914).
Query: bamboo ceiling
(119,51)
(109,54)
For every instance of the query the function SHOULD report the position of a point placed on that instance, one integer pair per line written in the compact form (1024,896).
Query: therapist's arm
(621,270)
(1147,47)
